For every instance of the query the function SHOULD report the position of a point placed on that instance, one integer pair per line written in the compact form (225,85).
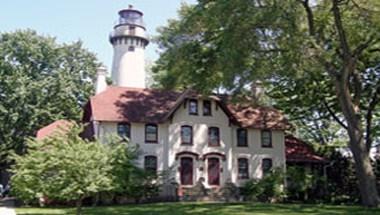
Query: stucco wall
(169,144)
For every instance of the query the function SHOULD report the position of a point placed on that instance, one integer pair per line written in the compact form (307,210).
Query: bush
(268,189)
(302,183)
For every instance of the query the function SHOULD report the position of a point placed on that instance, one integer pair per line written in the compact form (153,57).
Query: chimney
(257,90)
(101,83)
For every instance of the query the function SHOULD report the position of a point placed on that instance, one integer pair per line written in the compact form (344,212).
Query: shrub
(268,189)
(63,167)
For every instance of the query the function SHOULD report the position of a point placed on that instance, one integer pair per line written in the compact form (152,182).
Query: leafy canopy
(40,81)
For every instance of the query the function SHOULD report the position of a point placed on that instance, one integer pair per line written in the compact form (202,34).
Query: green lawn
(208,209)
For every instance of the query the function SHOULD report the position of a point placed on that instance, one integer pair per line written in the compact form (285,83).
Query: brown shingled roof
(300,152)
(154,106)
(58,126)
(132,104)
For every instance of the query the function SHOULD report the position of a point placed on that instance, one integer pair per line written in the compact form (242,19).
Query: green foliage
(267,189)
(341,179)
(40,81)
(271,40)
(62,167)
(302,183)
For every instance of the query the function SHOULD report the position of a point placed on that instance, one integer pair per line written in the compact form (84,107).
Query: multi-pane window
(242,140)
(193,107)
(213,136)
(206,108)
(186,135)
(243,168)
(151,133)
(124,130)
(266,165)
(266,138)
(150,163)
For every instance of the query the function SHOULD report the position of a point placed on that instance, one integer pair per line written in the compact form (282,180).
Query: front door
(186,171)
(213,171)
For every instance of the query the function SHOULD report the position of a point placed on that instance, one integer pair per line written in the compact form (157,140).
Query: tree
(331,46)
(66,167)
(40,81)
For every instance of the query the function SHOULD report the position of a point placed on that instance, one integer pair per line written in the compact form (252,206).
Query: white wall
(170,144)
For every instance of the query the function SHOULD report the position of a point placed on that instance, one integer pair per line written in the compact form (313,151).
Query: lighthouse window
(132,30)
(131,48)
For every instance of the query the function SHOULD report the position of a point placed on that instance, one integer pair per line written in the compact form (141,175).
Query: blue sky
(88,20)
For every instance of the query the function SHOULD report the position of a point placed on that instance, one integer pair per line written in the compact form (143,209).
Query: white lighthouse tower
(129,41)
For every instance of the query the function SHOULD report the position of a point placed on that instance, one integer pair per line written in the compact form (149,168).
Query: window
(132,30)
(151,133)
(266,138)
(243,166)
(131,48)
(213,136)
(266,165)
(124,130)
(186,135)
(242,137)
(193,107)
(150,163)
(206,108)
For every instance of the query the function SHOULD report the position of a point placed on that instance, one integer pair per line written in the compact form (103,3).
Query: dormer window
(193,107)
(206,108)
(124,130)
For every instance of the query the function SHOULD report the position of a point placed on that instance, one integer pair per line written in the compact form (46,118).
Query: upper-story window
(193,107)
(266,138)
(243,168)
(124,130)
(213,136)
(242,140)
(206,108)
(186,135)
(266,165)
(151,133)
(150,163)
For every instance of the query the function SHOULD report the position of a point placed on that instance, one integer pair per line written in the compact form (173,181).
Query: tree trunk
(364,170)
(79,206)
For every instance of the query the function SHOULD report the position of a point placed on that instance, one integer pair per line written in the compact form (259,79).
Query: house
(197,137)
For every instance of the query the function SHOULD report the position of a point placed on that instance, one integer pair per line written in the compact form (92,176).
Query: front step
(200,193)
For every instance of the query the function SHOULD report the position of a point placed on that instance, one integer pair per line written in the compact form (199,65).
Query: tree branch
(310,16)
(340,29)
(358,51)
(336,118)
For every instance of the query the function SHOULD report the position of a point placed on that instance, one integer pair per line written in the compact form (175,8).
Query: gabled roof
(121,104)
(124,104)
(56,127)
(297,151)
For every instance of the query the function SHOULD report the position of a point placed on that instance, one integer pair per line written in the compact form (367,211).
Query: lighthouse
(129,40)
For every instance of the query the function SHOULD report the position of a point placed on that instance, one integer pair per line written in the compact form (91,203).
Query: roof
(53,128)
(297,151)
(124,104)
(132,104)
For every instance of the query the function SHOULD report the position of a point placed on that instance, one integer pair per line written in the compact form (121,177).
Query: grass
(208,209)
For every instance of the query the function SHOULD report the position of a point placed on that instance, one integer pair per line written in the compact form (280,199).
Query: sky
(88,20)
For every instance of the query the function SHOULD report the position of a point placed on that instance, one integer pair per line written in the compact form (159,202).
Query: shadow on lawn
(216,209)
